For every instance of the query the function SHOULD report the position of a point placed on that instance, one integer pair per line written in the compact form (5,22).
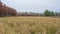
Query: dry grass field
(29,25)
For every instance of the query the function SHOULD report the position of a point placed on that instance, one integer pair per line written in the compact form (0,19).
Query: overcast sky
(33,5)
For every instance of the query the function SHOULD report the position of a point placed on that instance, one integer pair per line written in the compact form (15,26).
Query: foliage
(49,13)
(6,11)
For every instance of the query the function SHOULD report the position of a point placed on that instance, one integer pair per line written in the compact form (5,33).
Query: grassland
(29,25)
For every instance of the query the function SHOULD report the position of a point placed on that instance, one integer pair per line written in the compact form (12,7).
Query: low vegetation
(29,25)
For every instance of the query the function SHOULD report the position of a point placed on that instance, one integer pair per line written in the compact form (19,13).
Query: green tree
(47,13)
(52,13)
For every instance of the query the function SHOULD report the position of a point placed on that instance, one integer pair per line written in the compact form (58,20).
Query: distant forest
(8,11)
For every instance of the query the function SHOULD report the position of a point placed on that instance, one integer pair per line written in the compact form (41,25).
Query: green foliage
(52,13)
(49,13)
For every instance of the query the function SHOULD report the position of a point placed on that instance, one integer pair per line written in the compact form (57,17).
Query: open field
(29,25)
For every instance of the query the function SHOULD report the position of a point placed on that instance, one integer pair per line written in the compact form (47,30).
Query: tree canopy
(6,11)
(49,13)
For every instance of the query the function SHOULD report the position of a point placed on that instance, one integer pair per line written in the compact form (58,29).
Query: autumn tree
(6,11)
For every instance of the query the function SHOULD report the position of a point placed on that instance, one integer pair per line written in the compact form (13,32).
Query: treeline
(51,13)
(45,13)
(8,11)
(27,14)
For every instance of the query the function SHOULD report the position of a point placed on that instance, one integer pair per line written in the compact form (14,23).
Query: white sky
(33,5)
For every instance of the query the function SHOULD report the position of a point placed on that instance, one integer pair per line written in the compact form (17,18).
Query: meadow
(29,25)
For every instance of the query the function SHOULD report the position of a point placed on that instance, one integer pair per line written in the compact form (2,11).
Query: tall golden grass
(29,25)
